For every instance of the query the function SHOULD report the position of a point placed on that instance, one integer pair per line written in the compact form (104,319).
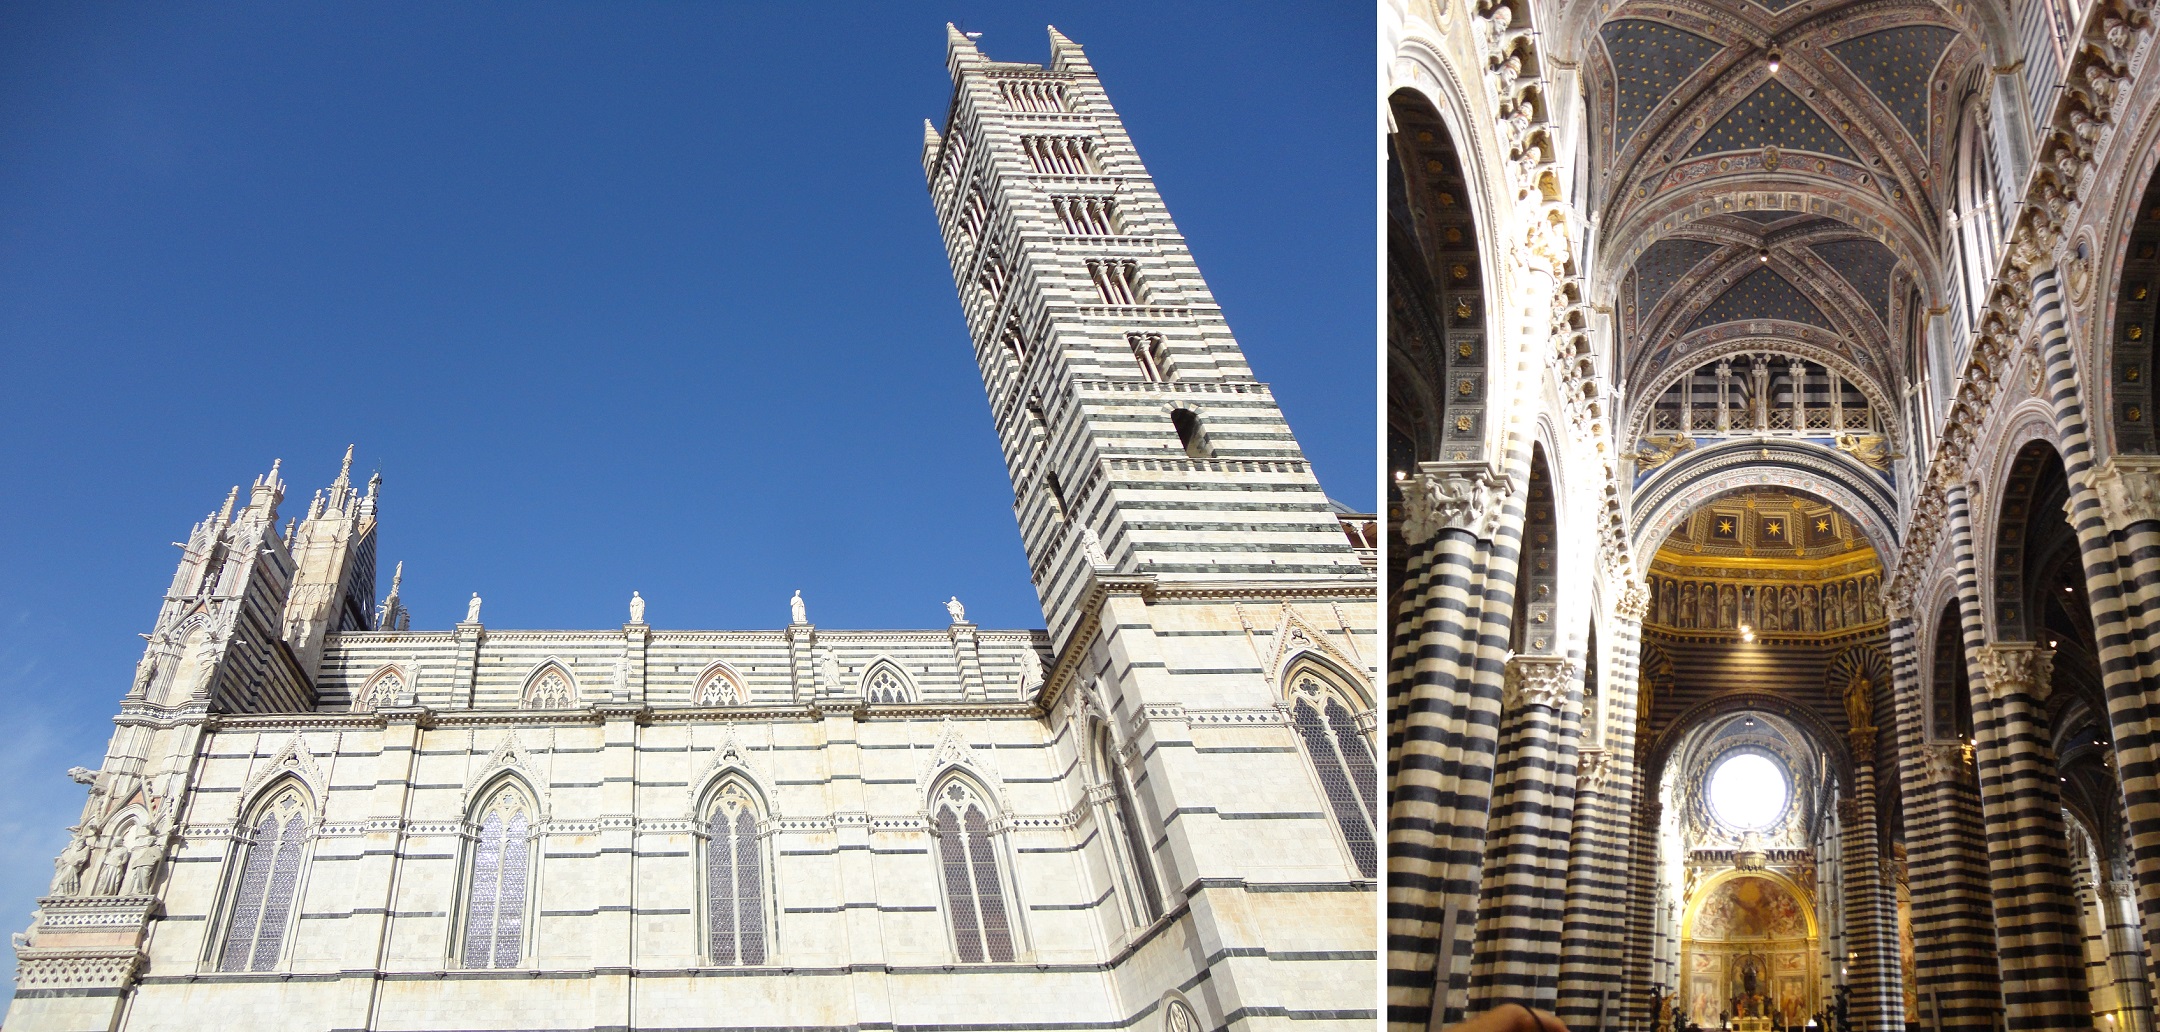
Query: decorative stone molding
(1441,497)
(2129,489)
(1634,602)
(1538,681)
(2012,667)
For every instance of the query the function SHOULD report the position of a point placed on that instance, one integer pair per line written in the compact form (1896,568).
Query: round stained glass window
(1748,791)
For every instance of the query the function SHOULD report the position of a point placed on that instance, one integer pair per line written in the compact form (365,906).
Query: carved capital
(1946,761)
(1634,602)
(2016,667)
(1538,681)
(1593,766)
(2129,489)
(1863,744)
(1452,497)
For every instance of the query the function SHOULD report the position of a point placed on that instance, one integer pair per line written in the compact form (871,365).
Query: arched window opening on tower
(973,214)
(496,882)
(1189,433)
(1147,349)
(1057,496)
(1131,840)
(1320,711)
(1059,155)
(1118,283)
(1033,95)
(262,901)
(1088,216)
(967,862)
(734,880)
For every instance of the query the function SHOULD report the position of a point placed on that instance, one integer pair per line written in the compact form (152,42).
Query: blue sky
(617,296)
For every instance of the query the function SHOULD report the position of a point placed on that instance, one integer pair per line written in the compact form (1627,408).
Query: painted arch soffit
(1859,102)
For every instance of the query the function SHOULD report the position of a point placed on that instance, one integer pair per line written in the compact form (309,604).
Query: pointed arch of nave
(1688,483)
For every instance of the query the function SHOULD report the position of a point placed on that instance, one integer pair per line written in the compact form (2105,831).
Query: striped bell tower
(1136,436)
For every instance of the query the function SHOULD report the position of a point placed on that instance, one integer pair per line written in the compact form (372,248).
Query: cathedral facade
(1159,813)
(1774,503)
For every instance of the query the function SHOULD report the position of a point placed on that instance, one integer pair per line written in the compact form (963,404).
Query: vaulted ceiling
(1738,203)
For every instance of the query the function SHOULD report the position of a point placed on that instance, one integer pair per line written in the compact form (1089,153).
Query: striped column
(1946,859)
(2036,915)
(1599,990)
(1522,894)
(2122,580)
(2126,957)
(1874,974)
(1444,687)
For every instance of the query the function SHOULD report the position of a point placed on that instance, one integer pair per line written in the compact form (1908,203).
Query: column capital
(1634,601)
(1453,496)
(1538,681)
(2016,666)
(1946,762)
(1593,765)
(1863,744)
(2129,489)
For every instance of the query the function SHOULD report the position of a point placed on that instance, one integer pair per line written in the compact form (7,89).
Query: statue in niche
(1709,607)
(1859,701)
(1830,620)
(1789,608)
(1728,608)
(1687,607)
(1809,603)
(68,870)
(1769,609)
(1871,599)
(112,867)
(1749,1002)
(142,863)
(1748,613)
(1852,604)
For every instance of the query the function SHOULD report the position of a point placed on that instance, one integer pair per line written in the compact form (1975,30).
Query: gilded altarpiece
(1749,951)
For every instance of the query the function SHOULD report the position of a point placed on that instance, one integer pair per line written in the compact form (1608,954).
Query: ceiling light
(1773,62)
(1763,256)
(1398,474)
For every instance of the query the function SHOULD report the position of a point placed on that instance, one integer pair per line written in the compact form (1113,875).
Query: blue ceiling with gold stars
(1895,65)
(1865,264)
(1663,264)
(1771,117)
(1762,294)
(1649,60)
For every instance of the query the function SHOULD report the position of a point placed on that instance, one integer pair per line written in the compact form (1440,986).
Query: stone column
(1874,974)
(1597,979)
(2036,915)
(1522,894)
(2126,954)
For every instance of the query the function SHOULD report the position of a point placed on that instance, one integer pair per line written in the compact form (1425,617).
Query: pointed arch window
(719,687)
(967,861)
(382,690)
(497,882)
(262,902)
(885,684)
(1131,838)
(551,688)
(734,880)
(1343,758)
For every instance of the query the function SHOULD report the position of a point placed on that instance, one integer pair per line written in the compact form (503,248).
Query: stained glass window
(966,857)
(501,869)
(269,878)
(734,881)
(1343,758)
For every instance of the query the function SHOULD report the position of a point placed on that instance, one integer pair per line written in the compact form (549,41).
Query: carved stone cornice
(1453,496)
(2129,489)
(2013,667)
(1539,681)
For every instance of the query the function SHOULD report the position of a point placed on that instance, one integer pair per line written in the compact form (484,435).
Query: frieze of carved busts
(1453,499)
(2129,489)
(2014,667)
(1537,681)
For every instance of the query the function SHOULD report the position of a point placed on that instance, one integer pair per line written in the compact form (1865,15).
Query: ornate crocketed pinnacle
(1634,602)
(2129,489)
(2016,667)
(1458,498)
(1537,681)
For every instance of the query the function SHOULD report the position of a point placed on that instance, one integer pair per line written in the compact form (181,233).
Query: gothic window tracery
(734,880)
(887,685)
(270,859)
(1342,756)
(968,867)
(719,687)
(381,690)
(497,881)
(551,688)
